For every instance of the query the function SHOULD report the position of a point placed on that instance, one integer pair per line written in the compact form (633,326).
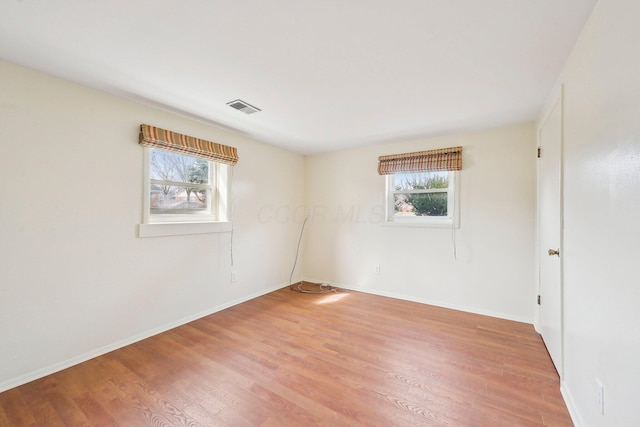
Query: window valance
(443,159)
(154,137)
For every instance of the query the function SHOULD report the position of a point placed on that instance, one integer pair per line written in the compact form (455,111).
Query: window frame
(218,220)
(452,220)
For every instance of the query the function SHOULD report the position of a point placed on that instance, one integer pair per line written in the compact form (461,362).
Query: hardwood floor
(290,359)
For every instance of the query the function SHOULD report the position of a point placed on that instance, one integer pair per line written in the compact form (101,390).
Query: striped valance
(444,159)
(154,137)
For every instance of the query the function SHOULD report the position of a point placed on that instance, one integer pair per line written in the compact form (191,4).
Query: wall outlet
(376,269)
(600,396)
(234,276)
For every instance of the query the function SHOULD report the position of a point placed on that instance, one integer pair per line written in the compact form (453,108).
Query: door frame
(557,98)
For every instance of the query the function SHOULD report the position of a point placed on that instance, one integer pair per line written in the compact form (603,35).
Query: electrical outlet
(600,396)
(234,276)
(376,269)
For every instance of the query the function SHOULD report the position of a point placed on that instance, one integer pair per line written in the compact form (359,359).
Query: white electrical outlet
(234,276)
(377,269)
(600,396)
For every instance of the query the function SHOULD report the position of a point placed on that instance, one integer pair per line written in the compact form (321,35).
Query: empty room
(321,213)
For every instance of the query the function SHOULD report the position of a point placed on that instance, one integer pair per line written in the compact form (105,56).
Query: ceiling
(327,75)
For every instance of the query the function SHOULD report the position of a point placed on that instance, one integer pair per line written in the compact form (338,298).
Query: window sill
(182,228)
(433,224)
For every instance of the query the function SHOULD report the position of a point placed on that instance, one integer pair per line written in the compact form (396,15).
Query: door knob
(553,252)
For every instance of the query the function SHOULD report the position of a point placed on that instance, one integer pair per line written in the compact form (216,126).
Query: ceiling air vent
(240,105)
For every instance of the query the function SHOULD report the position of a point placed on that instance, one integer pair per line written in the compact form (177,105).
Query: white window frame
(452,220)
(218,220)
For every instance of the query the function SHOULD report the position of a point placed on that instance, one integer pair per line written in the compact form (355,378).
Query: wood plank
(94,411)
(290,359)
(16,410)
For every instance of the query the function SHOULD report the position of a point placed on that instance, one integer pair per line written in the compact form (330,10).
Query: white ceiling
(327,74)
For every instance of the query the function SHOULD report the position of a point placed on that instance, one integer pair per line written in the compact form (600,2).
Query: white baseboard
(571,406)
(427,301)
(56,367)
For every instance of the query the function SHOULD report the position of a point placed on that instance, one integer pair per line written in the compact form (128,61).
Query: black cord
(297,251)
(322,288)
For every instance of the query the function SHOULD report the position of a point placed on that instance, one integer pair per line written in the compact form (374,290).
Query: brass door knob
(553,252)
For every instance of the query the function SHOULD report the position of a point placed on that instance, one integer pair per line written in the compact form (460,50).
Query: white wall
(494,271)
(75,279)
(602,217)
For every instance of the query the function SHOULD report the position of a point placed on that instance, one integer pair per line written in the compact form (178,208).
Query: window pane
(167,166)
(422,204)
(170,199)
(420,181)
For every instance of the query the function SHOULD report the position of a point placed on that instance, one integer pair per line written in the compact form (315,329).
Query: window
(186,185)
(422,187)
(422,198)
(184,195)
(182,188)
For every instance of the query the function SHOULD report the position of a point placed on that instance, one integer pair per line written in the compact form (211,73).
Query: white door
(550,233)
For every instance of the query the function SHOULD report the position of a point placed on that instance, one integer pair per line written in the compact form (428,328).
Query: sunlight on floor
(332,298)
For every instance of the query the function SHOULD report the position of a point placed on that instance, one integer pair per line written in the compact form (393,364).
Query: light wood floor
(290,359)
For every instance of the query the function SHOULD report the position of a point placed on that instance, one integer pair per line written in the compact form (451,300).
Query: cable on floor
(317,288)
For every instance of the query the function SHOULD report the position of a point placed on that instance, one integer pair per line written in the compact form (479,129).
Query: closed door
(550,233)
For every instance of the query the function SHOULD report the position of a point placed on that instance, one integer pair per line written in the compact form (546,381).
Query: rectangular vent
(240,105)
